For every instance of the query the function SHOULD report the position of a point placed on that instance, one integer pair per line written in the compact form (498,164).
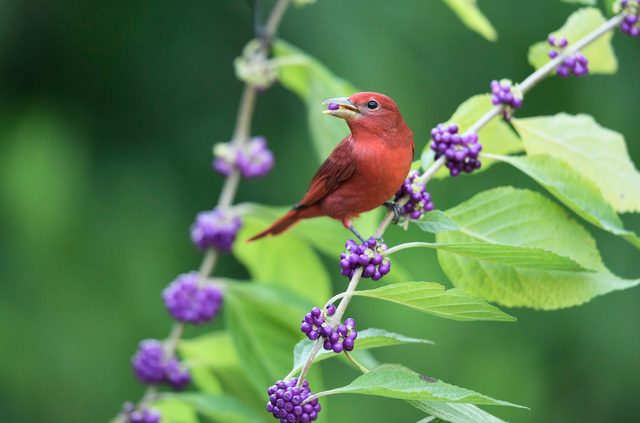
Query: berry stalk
(241,135)
(526,85)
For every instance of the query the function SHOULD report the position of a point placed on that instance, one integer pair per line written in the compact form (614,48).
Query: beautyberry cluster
(342,338)
(215,229)
(631,23)
(368,255)
(503,92)
(144,415)
(285,402)
(576,64)
(151,367)
(314,321)
(419,199)
(461,151)
(189,302)
(253,160)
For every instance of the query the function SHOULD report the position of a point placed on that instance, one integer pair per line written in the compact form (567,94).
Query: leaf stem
(355,362)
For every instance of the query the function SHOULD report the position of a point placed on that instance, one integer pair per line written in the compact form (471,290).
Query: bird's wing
(338,167)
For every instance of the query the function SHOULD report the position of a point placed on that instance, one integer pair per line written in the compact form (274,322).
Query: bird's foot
(396,208)
(356,233)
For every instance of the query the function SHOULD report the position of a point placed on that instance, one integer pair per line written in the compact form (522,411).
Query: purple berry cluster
(151,367)
(144,415)
(631,23)
(503,92)
(286,402)
(576,64)
(461,151)
(314,321)
(341,338)
(419,199)
(333,106)
(369,255)
(215,229)
(188,302)
(253,161)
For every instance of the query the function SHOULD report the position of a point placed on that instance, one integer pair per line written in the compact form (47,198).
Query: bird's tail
(280,225)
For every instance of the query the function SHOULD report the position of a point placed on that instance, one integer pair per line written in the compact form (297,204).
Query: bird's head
(368,110)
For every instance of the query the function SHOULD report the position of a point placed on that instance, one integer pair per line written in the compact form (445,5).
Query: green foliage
(585,2)
(432,298)
(264,325)
(602,58)
(286,260)
(496,137)
(219,408)
(473,18)
(574,190)
(510,255)
(436,221)
(367,339)
(174,410)
(598,154)
(395,381)
(455,413)
(313,83)
(524,218)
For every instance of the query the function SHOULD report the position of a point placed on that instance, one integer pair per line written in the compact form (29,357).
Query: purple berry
(333,106)
(285,401)
(503,94)
(631,23)
(215,229)
(420,199)
(188,302)
(342,337)
(177,376)
(368,255)
(252,160)
(459,154)
(255,160)
(148,362)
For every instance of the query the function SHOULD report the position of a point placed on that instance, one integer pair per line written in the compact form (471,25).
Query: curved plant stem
(241,135)
(526,85)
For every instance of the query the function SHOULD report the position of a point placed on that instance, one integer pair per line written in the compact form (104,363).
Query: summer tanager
(363,171)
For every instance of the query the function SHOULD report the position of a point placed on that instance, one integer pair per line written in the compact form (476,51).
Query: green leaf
(173,410)
(574,190)
(585,2)
(610,6)
(313,83)
(395,381)
(496,137)
(456,413)
(432,298)
(597,153)
(285,260)
(324,234)
(602,58)
(510,255)
(264,323)
(524,218)
(367,339)
(470,15)
(219,408)
(436,221)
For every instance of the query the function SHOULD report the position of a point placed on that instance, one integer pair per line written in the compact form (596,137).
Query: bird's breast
(380,170)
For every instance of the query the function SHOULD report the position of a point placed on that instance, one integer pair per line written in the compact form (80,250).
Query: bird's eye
(372,105)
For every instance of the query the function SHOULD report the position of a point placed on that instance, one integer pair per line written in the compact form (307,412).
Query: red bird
(363,171)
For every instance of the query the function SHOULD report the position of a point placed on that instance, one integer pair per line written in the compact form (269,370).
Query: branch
(241,136)
(525,86)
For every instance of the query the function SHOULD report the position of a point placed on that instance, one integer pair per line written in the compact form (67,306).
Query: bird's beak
(341,108)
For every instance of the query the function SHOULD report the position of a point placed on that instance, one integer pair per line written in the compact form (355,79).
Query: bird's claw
(395,207)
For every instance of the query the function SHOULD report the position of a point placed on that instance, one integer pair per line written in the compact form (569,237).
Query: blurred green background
(108,111)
